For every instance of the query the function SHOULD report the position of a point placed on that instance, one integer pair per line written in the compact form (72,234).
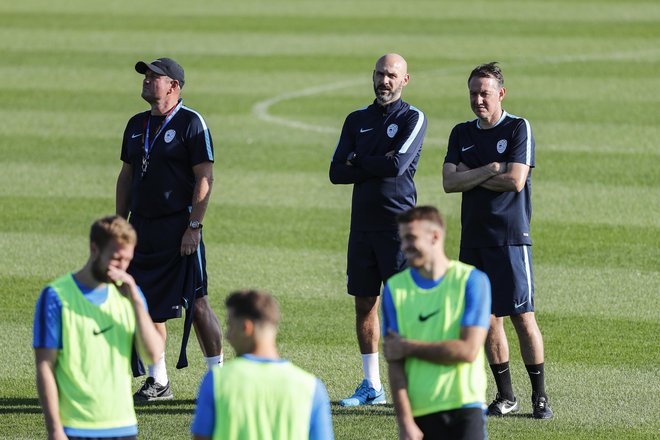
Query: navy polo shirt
(167,186)
(491,218)
(383,183)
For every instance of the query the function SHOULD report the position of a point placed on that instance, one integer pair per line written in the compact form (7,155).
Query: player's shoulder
(515,119)
(138,118)
(360,112)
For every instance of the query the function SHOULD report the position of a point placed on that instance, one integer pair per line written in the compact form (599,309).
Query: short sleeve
(47,330)
(204,418)
(477,300)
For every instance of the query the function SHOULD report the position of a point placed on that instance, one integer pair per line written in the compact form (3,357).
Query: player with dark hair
(435,317)
(377,153)
(85,327)
(165,185)
(489,160)
(258,395)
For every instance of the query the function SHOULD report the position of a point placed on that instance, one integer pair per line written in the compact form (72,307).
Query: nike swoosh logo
(503,371)
(364,130)
(519,305)
(98,332)
(467,148)
(534,372)
(136,135)
(424,318)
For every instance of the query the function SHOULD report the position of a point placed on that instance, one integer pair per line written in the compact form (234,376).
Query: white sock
(159,371)
(214,360)
(371,370)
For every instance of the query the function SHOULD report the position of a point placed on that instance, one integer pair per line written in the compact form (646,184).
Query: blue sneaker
(365,395)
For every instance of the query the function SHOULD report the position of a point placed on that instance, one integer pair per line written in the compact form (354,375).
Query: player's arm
(320,422)
(459,178)
(341,170)
(123,191)
(404,151)
(399,387)
(46,359)
(464,349)
(201,196)
(148,341)
(512,179)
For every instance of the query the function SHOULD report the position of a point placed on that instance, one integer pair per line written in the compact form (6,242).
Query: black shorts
(167,279)
(455,424)
(373,257)
(509,269)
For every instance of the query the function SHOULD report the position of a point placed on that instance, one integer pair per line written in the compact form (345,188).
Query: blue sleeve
(204,419)
(389,312)
(406,149)
(144,300)
(340,173)
(47,330)
(522,150)
(200,144)
(477,301)
(320,423)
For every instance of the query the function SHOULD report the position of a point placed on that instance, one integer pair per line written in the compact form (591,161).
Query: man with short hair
(165,185)
(489,160)
(258,395)
(377,153)
(435,316)
(85,327)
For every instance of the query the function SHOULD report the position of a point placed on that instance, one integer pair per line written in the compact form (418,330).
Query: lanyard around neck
(148,146)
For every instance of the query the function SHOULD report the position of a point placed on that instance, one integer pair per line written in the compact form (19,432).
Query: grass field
(274,80)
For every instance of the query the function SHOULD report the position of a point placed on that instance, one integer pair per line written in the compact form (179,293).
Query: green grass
(583,72)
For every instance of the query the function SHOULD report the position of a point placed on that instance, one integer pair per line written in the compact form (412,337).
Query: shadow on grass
(370,410)
(19,405)
(166,407)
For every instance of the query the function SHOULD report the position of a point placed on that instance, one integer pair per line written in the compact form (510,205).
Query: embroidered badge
(169,135)
(501,145)
(392,129)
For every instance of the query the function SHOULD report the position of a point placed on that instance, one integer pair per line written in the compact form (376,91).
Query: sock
(537,377)
(371,370)
(159,371)
(214,360)
(502,376)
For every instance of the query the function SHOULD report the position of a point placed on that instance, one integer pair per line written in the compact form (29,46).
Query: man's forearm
(201,197)
(399,388)
(456,179)
(48,397)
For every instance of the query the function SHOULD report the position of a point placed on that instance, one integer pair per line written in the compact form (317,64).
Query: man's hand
(124,282)
(410,431)
(190,241)
(394,346)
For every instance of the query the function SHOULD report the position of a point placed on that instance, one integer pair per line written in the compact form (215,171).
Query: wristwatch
(194,224)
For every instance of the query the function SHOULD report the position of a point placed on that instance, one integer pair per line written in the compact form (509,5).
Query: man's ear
(248,327)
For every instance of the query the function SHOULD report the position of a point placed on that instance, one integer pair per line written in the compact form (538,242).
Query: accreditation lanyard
(149,146)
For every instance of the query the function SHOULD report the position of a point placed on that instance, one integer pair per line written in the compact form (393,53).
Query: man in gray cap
(163,189)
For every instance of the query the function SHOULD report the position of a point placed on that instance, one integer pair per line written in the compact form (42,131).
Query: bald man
(377,152)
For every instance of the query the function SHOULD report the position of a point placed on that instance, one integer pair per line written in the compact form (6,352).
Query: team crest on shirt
(169,135)
(392,129)
(501,145)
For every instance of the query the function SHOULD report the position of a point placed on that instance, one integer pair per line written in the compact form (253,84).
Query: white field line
(261,108)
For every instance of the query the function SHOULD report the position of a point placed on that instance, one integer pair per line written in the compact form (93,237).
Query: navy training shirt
(167,186)
(383,184)
(492,218)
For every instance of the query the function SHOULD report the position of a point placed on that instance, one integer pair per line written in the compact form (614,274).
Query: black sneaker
(152,391)
(540,408)
(501,406)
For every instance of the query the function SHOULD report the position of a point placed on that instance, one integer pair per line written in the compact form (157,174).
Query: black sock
(503,380)
(537,377)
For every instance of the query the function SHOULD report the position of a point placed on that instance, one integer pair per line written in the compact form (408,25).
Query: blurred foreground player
(258,395)
(85,327)
(435,316)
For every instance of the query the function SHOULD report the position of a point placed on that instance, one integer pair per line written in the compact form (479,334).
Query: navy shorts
(373,257)
(455,424)
(509,269)
(167,279)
